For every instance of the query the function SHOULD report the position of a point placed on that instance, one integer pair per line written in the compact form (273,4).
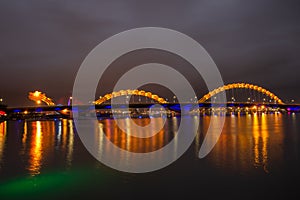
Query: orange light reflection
(260,141)
(35,150)
(2,138)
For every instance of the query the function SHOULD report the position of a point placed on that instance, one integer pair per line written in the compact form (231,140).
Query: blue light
(107,107)
(39,110)
(17,110)
(175,107)
(164,105)
(293,108)
(188,107)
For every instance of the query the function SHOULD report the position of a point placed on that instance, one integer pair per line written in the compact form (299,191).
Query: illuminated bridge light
(36,93)
(57,109)
(240,86)
(40,97)
(130,92)
(39,110)
(2,112)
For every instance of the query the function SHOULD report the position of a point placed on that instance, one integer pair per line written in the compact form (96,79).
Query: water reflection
(24,137)
(108,131)
(42,139)
(2,139)
(260,141)
(247,141)
(65,140)
(70,143)
(109,128)
(36,149)
(58,137)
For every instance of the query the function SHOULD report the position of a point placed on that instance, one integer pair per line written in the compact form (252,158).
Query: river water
(257,156)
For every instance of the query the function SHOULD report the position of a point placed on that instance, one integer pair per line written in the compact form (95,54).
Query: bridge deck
(171,106)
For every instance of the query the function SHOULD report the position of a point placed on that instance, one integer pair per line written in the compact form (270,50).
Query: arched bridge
(241,86)
(275,102)
(130,92)
(39,97)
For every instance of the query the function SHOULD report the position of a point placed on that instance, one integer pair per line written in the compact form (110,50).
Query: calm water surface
(257,156)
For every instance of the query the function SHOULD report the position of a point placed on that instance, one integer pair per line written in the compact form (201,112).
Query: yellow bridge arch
(40,97)
(130,92)
(242,86)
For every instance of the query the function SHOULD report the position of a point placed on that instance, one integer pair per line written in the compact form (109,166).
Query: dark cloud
(44,42)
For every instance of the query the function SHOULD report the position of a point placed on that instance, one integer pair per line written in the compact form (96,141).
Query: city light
(236,102)
(40,97)
(254,107)
(65,110)
(149,95)
(36,93)
(240,86)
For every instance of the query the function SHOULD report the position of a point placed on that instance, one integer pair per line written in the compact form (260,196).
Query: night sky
(43,43)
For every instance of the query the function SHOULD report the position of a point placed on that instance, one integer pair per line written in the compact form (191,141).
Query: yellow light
(38,102)
(65,110)
(25,112)
(36,150)
(36,93)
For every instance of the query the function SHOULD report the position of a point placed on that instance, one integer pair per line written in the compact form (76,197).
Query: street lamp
(174,99)
(70,101)
(232,99)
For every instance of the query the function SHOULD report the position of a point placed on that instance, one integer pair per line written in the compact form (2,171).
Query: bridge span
(173,109)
